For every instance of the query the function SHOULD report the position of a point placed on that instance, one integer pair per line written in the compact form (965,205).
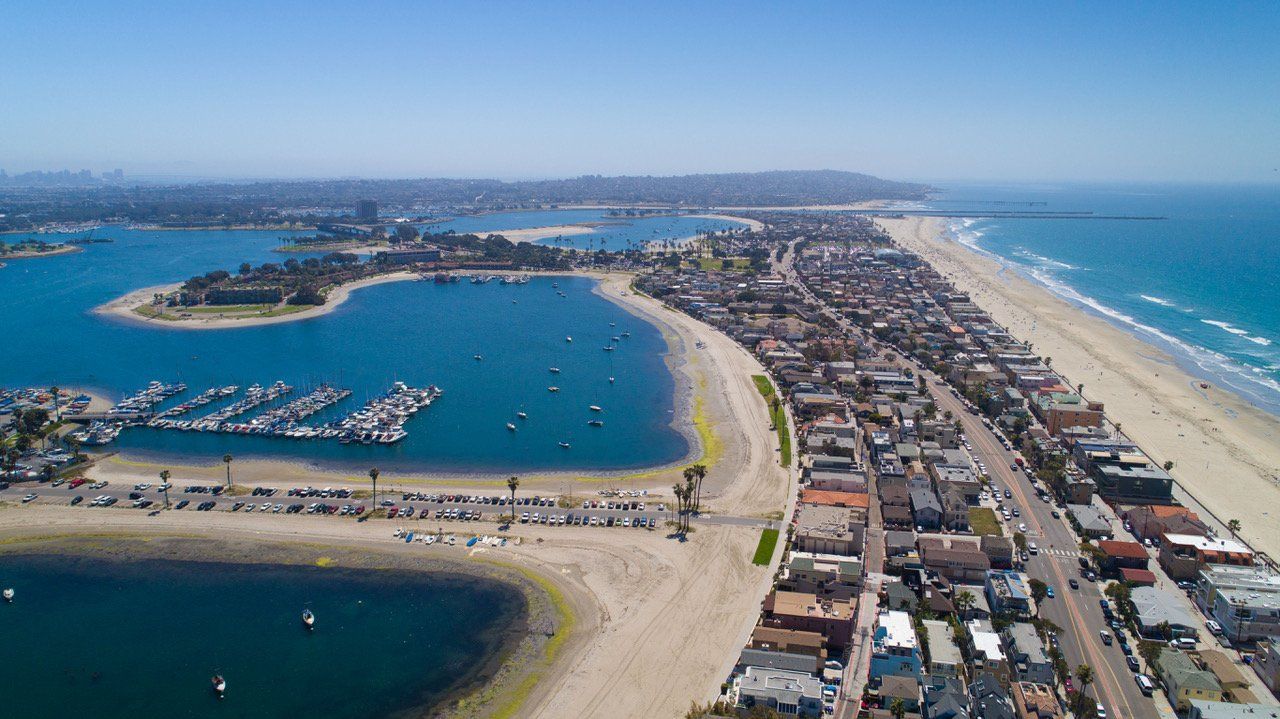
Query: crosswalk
(1061,552)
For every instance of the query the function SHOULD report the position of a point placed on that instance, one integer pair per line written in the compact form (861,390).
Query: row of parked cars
(585,520)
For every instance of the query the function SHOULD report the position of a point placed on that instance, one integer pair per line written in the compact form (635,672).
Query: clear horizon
(1089,93)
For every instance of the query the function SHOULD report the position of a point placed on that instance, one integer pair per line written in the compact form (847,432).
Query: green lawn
(779,417)
(982,520)
(764,550)
(226,309)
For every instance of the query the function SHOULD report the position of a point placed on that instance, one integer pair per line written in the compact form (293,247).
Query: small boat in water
(610,380)
(568,339)
(553,389)
(511,427)
(564,445)
(596,408)
(595,422)
(522,415)
(608,348)
(8,594)
(478,358)
(554,370)
(219,685)
(308,619)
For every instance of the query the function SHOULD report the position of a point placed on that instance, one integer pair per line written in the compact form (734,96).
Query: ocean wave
(1246,380)
(1158,300)
(1241,333)
(1046,262)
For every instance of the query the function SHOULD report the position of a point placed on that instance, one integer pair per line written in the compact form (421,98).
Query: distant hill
(265,202)
(783,187)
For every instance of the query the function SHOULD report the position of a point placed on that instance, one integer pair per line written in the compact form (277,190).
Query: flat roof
(1208,544)
(897,629)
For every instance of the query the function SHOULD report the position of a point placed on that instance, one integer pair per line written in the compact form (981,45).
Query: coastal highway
(1076,612)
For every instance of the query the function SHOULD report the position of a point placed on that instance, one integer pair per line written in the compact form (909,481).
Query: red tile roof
(1127,550)
(1144,577)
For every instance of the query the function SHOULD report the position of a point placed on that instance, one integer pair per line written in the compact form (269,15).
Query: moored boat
(8,594)
(219,685)
(308,619)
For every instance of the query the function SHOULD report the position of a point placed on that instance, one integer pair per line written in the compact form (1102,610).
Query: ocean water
(107,639)
(622,233)
(1204,283)
(417,332)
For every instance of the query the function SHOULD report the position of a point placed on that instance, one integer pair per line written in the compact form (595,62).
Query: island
(25,249)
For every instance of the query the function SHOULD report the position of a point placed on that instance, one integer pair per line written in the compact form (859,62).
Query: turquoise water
(417,332)
(109,639)
(629,233)
(1202,284)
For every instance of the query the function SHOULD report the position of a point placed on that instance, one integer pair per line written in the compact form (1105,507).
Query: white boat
(564,445)
(308,619)
(511,427)
(219,685)
(595,408)
(568,339)
(478,358)
(8,594)
(553,389)
(522,415)
(554,370)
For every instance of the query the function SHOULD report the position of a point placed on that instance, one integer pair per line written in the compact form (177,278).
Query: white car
(1022,527)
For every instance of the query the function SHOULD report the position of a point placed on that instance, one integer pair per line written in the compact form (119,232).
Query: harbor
(380,420)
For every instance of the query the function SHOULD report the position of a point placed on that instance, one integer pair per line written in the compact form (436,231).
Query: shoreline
(123,307)
(704,444)
(62,249)
(1209,433)
(525,651)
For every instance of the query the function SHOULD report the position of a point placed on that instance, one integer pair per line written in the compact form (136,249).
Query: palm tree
(57,411)
(164,485)
(373,475)
(964,602)
(898,708)
(512,484)
(226,459)
(74,443)
(1084,675)
(699,474)
(1233,526)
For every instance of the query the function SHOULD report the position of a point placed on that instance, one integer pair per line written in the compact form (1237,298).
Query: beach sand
(657,623)
(1226,453)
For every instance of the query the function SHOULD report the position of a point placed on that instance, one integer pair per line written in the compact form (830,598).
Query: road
(1077,612)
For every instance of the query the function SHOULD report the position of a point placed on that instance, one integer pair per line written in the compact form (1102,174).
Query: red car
(1067,683)
(77,482)
(392,512)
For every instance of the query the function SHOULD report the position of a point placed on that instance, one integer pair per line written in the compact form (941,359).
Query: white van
(1032,548)
(1213,627)
(1145,685)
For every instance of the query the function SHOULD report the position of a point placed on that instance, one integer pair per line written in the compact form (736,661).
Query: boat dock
(379,421)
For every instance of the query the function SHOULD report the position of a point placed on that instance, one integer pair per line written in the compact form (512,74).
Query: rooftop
(894,629)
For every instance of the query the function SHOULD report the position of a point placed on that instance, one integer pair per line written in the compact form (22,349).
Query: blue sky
(1156,91)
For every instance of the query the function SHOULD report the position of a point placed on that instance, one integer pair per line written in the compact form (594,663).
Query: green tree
(898,708)
(1039,590)
(1233,526)
(164,485)
(1150,653)
(57,410)
(1020,541)
(964,602)
(1084,677)
(226,459)
(699,474)
(373,477)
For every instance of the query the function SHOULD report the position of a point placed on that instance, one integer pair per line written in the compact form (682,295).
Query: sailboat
(219,685)
(308,619)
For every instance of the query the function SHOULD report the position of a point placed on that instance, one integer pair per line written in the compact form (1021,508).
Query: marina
(379,421)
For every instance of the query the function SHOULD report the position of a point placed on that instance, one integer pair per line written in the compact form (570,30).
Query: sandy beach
(657,623)
(1226,453)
